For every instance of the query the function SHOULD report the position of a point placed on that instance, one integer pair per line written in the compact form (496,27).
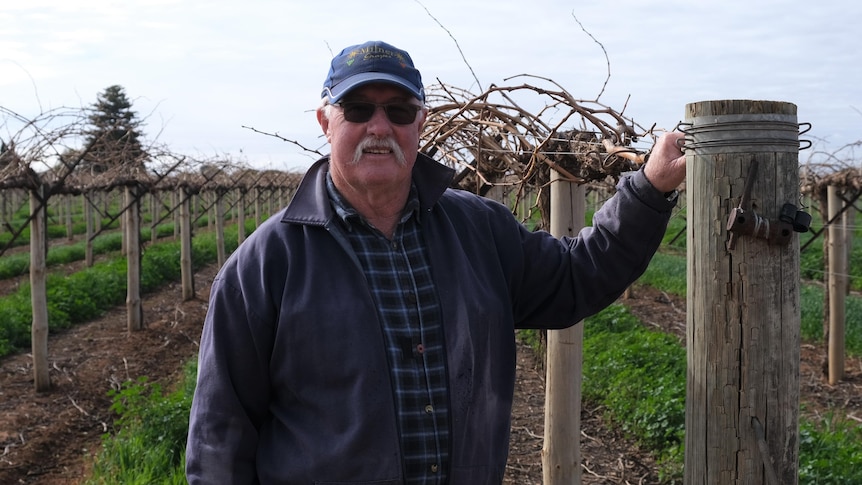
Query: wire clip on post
(743,221)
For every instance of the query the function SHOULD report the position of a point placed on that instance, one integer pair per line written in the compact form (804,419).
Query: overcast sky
(200,70)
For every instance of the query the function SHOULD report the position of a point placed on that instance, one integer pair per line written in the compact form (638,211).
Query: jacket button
(429,409)
(434,468)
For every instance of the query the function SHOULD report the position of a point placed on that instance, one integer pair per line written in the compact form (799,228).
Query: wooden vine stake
(187,275)
(134,307)
(743,318)
(836,271)
(89,216)
(561,453)
(219,227)
(240,213)
(38,288)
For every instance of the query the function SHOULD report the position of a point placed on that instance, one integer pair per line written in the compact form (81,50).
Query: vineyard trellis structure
(834,190)
(504,142)
(217,186)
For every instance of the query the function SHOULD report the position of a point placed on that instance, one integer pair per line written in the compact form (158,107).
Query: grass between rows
(149,441)
(88,293)
(620,354)
(13,265)
(667,273)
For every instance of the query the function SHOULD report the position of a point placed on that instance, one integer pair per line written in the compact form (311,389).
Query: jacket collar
(310,204)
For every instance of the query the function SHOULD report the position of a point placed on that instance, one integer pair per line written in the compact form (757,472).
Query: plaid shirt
(399,277)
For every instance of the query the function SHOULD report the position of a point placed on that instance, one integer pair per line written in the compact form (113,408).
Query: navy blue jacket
(293,384)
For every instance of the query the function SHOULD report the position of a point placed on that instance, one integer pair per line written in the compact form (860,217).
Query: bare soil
(49,438)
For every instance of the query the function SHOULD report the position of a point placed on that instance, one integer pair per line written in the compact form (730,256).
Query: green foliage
(667,271)
(16,315)
(162,262)
(534,339)
(19,264)
(811,303)
(811,264)
(638,376)
(621,356)
(107,242)
(812,298)
(55,231)
(14,265)
(6,239)
(830,451)
(674,236)
(114,135)
(150,439)
(86,294)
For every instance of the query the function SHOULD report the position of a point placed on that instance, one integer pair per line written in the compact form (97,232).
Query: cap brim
(363,78)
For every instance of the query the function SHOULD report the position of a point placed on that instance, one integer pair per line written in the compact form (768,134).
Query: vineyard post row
(194,202)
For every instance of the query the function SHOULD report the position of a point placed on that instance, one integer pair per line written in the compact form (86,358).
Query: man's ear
(323,120)
(423,115)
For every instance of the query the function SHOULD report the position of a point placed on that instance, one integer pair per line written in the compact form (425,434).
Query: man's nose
(379,122)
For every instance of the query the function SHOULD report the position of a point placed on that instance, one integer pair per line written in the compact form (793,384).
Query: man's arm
(232,392)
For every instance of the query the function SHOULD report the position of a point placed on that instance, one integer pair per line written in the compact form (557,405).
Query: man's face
(365,155)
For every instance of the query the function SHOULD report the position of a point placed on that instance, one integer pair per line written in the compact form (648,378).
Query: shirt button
(434,468)
(429,409)
(420,349)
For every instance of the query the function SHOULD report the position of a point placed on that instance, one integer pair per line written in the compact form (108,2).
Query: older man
(366,333)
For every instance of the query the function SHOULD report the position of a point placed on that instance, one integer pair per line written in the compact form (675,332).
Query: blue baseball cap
(371,62)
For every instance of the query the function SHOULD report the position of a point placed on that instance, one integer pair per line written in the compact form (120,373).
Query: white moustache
(379,145)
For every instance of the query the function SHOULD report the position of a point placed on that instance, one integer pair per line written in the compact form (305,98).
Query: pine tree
(7,154)
(114,133)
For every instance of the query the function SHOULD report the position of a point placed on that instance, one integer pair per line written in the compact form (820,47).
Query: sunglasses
(399,113)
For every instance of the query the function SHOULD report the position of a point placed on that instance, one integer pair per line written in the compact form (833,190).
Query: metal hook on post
(743,221)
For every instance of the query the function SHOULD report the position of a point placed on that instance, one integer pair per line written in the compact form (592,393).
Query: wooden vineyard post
(219,226)
(38,288)
(743,316)
(88,217)
(176,197)
(836,275)
(155,215)
(561,453)
(186,246)
(258,216)
(134,308)
(240,213)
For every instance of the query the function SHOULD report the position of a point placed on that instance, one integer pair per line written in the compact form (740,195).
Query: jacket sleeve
(232,393)
(562,281)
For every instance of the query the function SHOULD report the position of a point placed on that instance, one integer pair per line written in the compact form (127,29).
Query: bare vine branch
(607,59)
(458,46)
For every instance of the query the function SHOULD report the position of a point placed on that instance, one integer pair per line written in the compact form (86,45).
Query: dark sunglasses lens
(401,113)
(361,112)
(358,112)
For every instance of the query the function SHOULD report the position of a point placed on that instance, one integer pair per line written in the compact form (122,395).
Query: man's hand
(665,168)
